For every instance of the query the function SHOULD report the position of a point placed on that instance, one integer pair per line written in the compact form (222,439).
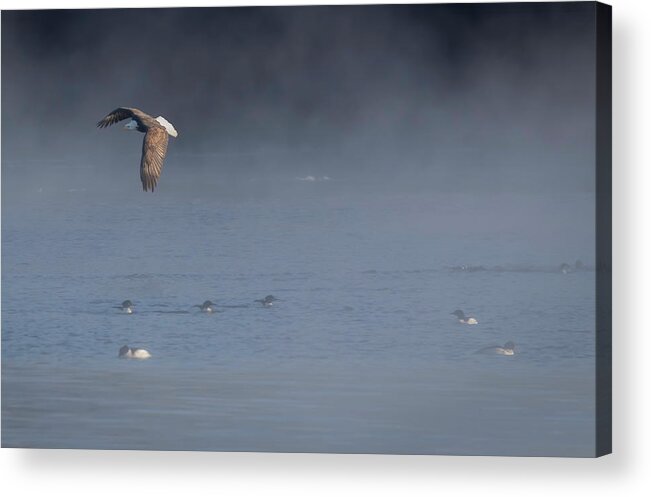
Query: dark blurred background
(443,97)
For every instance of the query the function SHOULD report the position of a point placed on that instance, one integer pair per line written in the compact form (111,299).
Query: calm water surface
(360,354)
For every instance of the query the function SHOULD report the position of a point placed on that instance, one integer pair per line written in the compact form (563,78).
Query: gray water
(360,354)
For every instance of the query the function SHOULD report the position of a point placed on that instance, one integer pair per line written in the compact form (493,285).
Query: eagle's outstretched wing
(122,113)
(154,148)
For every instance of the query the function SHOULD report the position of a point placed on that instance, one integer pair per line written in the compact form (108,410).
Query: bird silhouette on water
(268,301)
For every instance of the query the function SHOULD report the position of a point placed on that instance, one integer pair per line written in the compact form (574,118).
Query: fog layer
(446,97)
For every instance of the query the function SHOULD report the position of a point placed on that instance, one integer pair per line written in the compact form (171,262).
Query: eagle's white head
(167,125)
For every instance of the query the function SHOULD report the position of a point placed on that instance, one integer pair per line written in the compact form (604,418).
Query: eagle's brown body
(154,144)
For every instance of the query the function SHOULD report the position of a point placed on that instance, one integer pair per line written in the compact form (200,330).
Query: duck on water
(461,316)
(207,306)
(507,349)
(127,352)
(268,301)
(126,307)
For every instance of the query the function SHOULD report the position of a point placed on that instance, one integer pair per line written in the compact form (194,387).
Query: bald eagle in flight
(154,145)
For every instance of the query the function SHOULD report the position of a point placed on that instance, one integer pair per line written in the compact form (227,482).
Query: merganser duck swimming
(268,301)
(126,306)
(507,349)
(127,352)
(463,318)
(207,306)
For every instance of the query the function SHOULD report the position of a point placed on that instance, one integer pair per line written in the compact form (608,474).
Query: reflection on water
(360,354)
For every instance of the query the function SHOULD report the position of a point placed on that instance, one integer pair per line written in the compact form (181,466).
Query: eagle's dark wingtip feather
(148,187)
(106,122)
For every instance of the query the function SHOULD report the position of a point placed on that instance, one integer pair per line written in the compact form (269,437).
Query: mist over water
(434,97)
(375,168)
